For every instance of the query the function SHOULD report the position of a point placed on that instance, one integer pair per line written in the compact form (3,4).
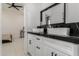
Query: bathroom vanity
(52,45)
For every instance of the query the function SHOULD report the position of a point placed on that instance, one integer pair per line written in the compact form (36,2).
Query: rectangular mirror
(55,13)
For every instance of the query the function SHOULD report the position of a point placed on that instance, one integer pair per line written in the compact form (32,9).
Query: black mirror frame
(53,5)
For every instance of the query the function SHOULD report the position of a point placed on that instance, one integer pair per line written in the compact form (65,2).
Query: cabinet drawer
(66,47)
(38,39)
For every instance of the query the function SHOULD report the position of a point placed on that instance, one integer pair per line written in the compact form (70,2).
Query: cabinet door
(50,51)
(38,46)
(38,50)
(72,11)
(31,44)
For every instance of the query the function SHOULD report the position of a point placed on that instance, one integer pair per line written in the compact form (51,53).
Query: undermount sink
(37,30)
(58,31)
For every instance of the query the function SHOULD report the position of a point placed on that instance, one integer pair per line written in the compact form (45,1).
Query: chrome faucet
(48,21)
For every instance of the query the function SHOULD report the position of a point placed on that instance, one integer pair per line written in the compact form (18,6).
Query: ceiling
(5,7)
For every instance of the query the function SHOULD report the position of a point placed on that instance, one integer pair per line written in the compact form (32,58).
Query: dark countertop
(71,39)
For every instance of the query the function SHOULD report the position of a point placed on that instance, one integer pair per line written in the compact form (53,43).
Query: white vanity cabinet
(44,46)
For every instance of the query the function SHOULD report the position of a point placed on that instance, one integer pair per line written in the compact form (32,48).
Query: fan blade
(16,8)
(19,6)
(13,4)
(8,3)
(10,7)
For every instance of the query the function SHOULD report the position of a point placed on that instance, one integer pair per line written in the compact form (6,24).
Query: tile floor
(16,48)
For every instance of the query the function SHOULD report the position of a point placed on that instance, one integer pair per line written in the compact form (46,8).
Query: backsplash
(74,31)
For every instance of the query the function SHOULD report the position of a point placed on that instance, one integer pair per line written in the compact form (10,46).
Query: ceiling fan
(14,6)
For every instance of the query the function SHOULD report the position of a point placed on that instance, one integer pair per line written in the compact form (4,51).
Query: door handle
(29,41)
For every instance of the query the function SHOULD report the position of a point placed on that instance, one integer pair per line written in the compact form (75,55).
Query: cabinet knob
(37,47)
(55,54)
(37,38)
(52,54)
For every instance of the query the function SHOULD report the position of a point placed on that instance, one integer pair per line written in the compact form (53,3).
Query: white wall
(12,21)
(33,14)
(45,5)
(0,31)
(72,12)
